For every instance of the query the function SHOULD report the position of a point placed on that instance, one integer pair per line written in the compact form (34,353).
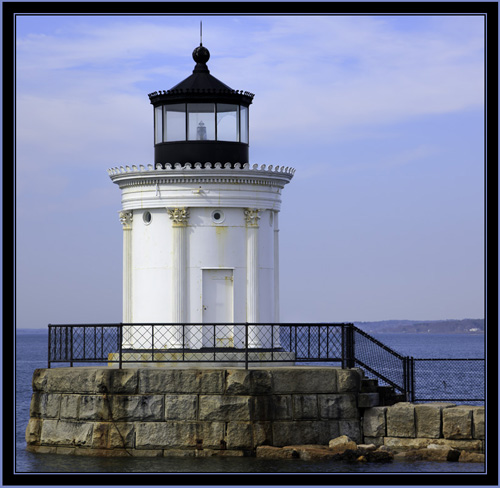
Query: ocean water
(31,353)
(469,346)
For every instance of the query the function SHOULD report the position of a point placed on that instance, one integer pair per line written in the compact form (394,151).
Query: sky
(381,116)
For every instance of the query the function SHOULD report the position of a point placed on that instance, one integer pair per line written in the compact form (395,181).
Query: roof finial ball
(201,55)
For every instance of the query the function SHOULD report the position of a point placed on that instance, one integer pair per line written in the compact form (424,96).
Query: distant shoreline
(430,332)
(464,326)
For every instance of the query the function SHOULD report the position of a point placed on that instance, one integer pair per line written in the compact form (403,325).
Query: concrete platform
(203,359)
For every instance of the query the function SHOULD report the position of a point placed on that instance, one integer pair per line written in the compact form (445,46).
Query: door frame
(231,320)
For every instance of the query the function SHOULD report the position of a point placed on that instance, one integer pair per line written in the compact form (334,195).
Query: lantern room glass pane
(175,122)
(244,123)
(227,122)
(158,125)
(201,121)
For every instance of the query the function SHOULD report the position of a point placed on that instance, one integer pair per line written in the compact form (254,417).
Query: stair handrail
(407,370)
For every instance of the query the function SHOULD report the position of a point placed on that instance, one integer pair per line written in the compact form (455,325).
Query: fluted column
(126,218)
(276,333)
(252,223)
(179,217)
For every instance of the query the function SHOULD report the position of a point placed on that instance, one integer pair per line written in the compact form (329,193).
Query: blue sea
(31,353)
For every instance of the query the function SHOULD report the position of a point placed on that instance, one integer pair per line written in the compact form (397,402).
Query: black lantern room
(201,119)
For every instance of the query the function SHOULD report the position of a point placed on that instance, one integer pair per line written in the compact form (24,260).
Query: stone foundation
(231,412)
(407,426)
(176,412)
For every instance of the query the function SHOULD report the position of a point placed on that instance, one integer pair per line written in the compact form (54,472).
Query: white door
(217,307)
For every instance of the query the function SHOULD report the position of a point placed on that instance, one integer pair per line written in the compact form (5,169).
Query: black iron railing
(196,342)
(420,380)
(382,362)
(245,344)
(449,380)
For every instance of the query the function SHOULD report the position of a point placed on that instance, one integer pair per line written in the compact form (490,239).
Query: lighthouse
(201,224)
(192,370)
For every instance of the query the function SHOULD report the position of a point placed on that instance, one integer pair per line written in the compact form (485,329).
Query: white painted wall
(208,245)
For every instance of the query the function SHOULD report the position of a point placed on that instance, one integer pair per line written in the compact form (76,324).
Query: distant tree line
(465,326)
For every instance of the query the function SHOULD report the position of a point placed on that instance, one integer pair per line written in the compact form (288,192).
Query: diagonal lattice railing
(124,343)
(380,361)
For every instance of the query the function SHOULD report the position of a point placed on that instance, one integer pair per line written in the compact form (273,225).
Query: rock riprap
(344,448)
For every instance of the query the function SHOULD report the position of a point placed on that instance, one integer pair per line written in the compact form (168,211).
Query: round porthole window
(218,216)
(146,216)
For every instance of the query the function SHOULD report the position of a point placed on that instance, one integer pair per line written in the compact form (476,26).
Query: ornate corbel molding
(179,216)
(252,217)
(126,217)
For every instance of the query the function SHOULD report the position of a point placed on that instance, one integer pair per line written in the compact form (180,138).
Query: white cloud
(357,72)
(311,75)
(86,44)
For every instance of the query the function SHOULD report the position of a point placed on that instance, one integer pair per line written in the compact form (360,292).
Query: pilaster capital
(252,217)
(179,216)
(126,217)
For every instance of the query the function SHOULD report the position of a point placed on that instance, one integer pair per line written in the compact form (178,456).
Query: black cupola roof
(201,77)
(201,84)
(201,119)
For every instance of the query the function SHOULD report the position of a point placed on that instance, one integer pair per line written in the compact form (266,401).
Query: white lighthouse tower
(200,226)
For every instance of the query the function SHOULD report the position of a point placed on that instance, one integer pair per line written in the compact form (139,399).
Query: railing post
(183,341)
(327,342)
(342,346)
(272,343)
(319,341)
(246,345)
(49,348)
(295,330)
(405,377)
(152,342)
(120,341)
(84,344)
(353,347)
(71,347)
(309,341)
(350,352)
(66,344)
(412,378)
(215,343)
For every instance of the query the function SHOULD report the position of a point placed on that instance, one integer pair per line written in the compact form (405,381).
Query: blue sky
(382,117)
